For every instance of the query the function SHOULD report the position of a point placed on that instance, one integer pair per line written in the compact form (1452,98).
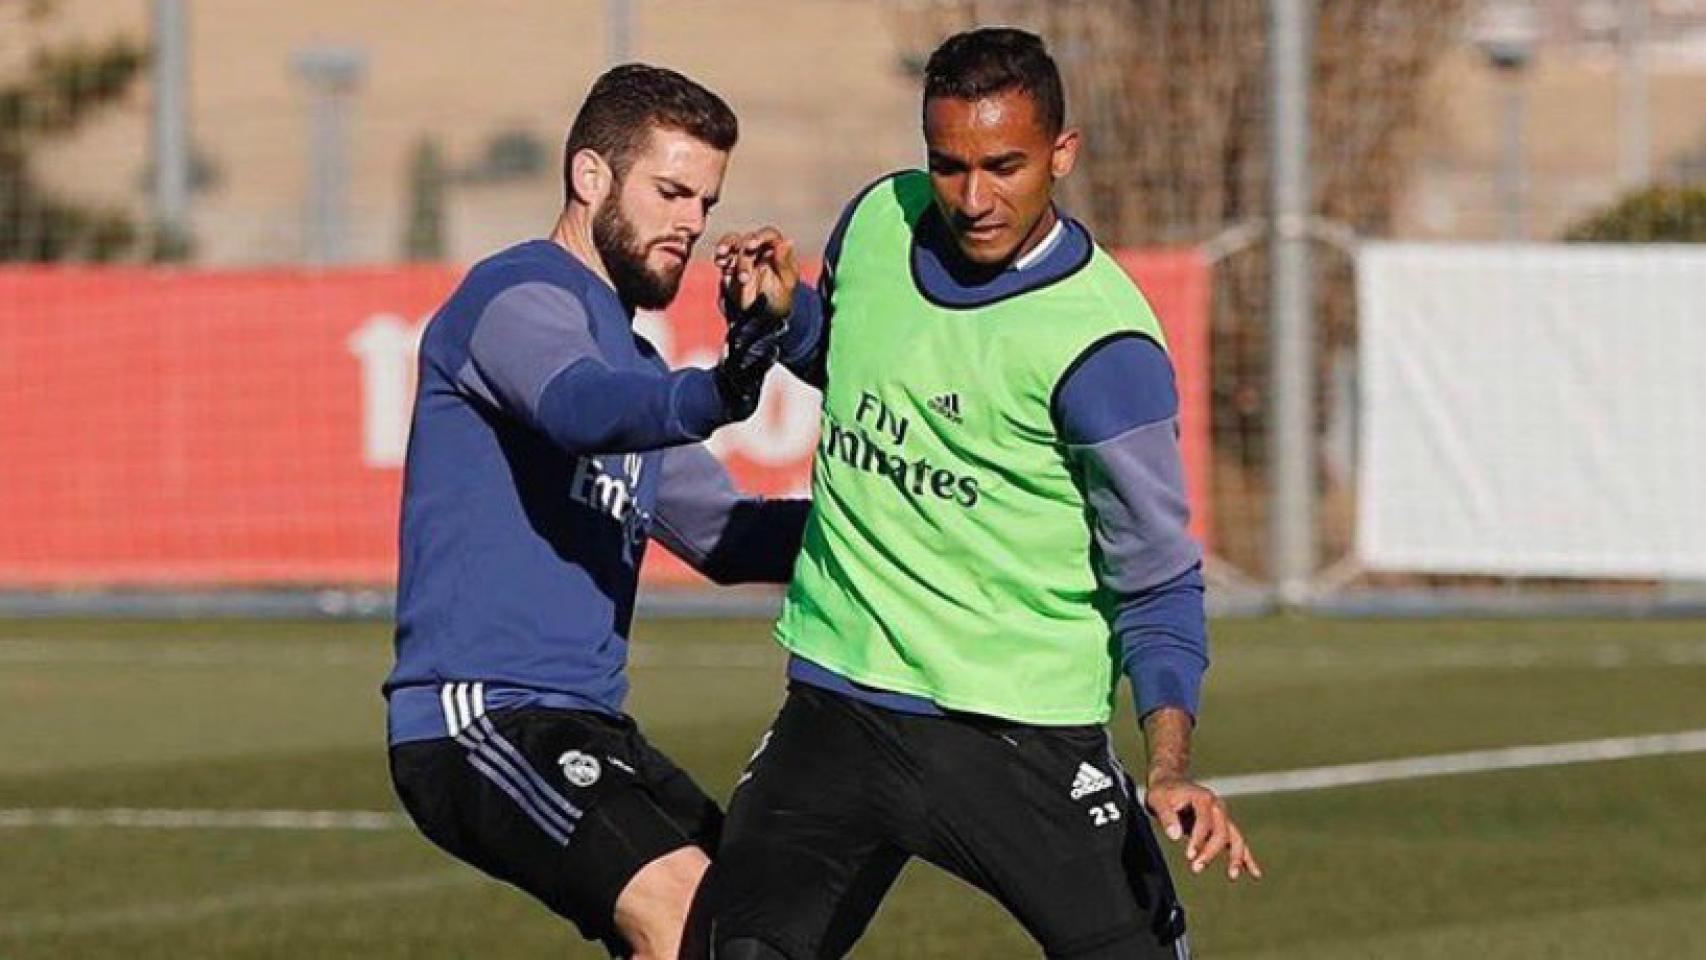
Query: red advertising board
(186,428)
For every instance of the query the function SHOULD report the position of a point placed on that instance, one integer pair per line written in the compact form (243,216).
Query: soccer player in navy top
(549,443)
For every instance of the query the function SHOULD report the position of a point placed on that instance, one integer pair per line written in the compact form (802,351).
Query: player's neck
(1040,231)
(974,274)
(573,233)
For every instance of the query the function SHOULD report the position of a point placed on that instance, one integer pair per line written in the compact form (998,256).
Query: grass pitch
(1593,860)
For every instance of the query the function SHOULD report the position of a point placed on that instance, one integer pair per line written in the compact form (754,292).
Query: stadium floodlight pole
(1634,139)
(332,74)
(1506,36)
(619,20)
(1513,168)
(171,121)
(1291,434)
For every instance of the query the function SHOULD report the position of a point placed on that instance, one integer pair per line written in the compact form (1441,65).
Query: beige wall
(1572,140)
(823,108)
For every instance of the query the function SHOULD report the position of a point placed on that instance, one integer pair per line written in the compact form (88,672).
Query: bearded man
(549,443)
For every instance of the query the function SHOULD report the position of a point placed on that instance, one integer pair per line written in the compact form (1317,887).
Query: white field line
(360,820)
(1257,784)
(203,908)
(43,652)
(1477,761)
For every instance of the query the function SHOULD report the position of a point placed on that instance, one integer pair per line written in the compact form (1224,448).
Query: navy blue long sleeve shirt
(548,444)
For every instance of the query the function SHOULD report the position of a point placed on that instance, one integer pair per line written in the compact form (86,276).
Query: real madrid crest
(578,768)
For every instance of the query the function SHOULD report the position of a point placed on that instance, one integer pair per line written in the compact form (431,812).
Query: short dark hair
(630,101)
(990,60)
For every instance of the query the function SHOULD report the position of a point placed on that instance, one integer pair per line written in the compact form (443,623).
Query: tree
(1658,214)
(59,89)
(423,235)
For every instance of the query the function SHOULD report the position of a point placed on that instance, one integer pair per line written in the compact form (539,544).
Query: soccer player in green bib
(998,531)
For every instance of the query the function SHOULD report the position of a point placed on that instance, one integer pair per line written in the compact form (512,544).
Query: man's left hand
(1182,805)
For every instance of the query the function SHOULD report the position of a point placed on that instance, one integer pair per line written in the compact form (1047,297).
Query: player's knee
(652,910)
(677,882)
(670,879)
(746,948)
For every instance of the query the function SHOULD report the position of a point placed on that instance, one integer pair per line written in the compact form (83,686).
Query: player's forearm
(1167,736)
(1163,636)
(729,537)
(760,543)
(591,408)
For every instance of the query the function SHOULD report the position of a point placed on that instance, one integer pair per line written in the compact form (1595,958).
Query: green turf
(1584,861)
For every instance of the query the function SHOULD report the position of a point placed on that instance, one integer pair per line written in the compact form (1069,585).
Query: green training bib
(948,554)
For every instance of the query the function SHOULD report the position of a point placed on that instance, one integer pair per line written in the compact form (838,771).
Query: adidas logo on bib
(947,405)
(1089,780)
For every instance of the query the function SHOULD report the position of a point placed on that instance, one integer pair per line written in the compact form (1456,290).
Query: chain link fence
(324,137)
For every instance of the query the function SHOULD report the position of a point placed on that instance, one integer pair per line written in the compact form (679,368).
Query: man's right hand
(756,293)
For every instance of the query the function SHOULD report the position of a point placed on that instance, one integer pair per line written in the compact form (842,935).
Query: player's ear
(1065,153)
(590,178)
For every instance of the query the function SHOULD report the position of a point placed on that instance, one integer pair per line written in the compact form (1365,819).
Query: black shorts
(565,804)
(840,794)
